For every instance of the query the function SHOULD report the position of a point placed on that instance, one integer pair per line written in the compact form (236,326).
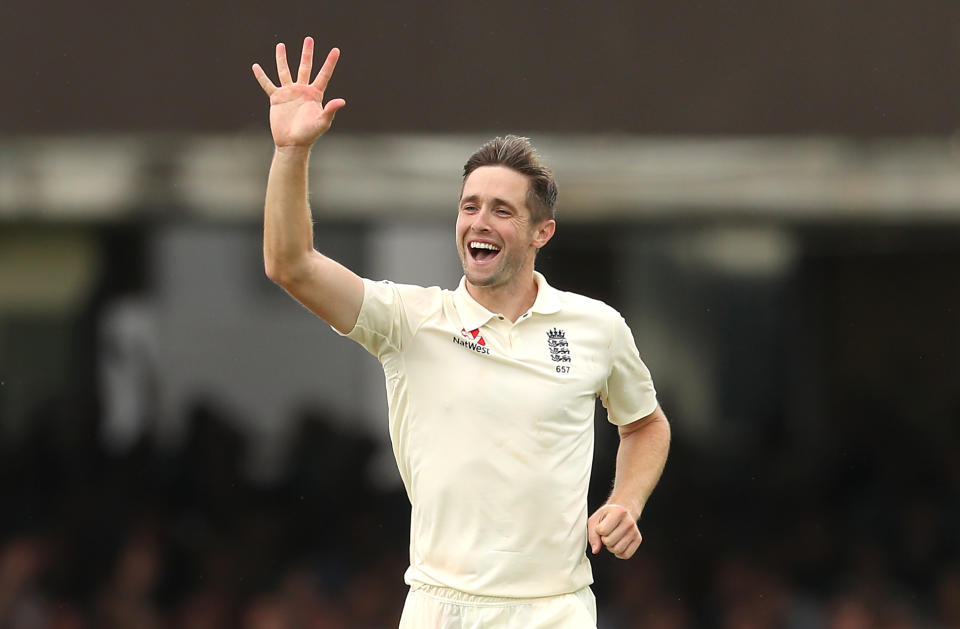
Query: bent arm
(640,460)
(327,288)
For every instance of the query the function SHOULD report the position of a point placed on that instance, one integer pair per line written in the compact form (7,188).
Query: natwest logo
(474,340)
(473,335)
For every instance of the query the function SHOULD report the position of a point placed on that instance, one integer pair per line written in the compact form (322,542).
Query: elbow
(662,425)
(272,271)
(664,422)
(282,269)
(667,431)
(278,273)
(285,269)
(655,422)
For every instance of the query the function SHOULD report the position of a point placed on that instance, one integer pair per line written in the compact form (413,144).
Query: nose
(481,222)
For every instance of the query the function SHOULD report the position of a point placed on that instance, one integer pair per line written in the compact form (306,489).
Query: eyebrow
(475,198)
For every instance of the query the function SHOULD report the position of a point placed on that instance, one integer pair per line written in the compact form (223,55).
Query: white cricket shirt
(492,427)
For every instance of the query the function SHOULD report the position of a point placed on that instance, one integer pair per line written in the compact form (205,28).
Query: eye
(502,211)
(469,208)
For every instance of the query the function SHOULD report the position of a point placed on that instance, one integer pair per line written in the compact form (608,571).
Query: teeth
(484,245)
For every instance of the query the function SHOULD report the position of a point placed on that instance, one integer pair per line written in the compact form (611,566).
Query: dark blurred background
(769,193)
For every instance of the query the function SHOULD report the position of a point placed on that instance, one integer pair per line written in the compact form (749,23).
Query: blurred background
(769,192)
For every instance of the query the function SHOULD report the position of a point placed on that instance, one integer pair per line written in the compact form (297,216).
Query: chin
(479,280)
(482,279)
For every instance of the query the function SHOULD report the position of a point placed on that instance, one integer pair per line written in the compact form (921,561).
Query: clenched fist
(613,526)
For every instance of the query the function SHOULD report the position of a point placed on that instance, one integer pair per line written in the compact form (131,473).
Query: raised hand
(297,113)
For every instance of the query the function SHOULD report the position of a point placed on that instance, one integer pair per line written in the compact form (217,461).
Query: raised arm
(298,118)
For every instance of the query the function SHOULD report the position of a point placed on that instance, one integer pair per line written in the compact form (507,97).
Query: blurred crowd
(160,538)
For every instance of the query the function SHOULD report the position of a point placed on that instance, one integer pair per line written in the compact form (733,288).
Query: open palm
(297,113)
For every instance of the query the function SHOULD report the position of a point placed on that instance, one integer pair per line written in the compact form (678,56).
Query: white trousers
(430,607)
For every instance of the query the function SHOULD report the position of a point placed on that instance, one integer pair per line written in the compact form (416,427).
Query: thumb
(332,106)
(593,538)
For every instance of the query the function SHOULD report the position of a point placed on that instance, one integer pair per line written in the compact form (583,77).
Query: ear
(544,232)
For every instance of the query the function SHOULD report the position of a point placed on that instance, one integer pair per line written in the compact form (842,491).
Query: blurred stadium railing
(602,177)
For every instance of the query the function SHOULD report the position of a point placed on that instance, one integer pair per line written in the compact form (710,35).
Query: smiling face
(496,237)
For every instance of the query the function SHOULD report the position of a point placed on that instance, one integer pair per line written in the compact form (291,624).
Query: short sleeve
(390,314)
(628,392)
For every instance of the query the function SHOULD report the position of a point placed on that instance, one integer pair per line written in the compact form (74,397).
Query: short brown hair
(518,154)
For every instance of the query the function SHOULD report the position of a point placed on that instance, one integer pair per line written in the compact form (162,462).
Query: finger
(283,70)
(610,541)
(264,80)
(607,523)
(593,538)
(632,548)
(326,118)
(627,526)
(326,71)
(306,61)
(625,530)
(333,106)
(618,539)
(619,548)
(627,549)
(324,121)
(628,544)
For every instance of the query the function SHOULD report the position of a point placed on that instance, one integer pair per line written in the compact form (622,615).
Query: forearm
(640,460)
(287,224)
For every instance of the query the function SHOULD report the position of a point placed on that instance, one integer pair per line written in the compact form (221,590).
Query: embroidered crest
(558,346)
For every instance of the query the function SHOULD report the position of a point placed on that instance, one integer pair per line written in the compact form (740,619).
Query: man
(491,387)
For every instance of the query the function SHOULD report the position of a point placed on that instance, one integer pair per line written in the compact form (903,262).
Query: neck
(511,300)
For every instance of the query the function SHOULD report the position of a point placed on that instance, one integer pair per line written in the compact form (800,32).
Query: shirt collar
(548,297)
(473,315)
